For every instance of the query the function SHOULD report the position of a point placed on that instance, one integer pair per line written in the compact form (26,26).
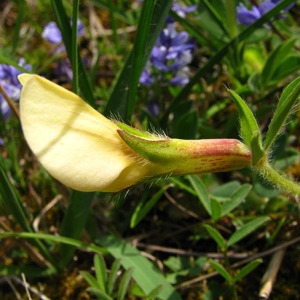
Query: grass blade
(99,294)
(100,270)
(74,61)
(17,27)
(74,221)
(11,199)
(124,283)
(63,23)
(113,275)
(124,90)
(55,239)
(142,209)
(91,280)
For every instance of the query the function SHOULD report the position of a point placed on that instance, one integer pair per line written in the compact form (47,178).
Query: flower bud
(85,151)
(181,157)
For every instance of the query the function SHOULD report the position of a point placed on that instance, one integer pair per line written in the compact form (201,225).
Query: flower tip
(24,78)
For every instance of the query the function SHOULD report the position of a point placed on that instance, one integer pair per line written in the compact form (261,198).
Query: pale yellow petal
(76,144)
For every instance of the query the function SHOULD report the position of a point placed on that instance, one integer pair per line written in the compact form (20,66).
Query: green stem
(265,169)
(75,46)
(231,18)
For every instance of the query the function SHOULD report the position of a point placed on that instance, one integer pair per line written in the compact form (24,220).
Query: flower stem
(265,169)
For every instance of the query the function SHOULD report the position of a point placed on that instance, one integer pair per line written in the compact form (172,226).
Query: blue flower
(171,55)
(247,16)
(11,85)
(52,34)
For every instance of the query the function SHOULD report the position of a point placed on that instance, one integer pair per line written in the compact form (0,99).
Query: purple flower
(11,85)
(153,108)
(247,16)
(146,78)
(171,54)
(180,11)
(52,34)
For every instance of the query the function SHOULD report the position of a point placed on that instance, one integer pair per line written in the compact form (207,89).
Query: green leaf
(257,150)
(246,230)
(250,131)
(275,60)
(99,294)
(124,283)
(216,209)
(91,280)
(113,275)
(226,189)
(236,198)
(248,122)
(177,182)
(145,273)
(215,234)
(247,269)
(286,103)
(289,66)
(100,270)
(154,293)
(201,191)
(221,270)
(142,209)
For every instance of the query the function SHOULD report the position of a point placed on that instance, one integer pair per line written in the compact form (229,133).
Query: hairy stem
(265,169)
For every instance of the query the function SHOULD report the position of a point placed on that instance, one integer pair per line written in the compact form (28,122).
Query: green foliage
(106,287)
(144,273)
(223,200)
(284,107)
(122,97)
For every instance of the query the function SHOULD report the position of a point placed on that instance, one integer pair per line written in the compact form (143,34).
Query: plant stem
(265,169)
(231,18)
(75,46)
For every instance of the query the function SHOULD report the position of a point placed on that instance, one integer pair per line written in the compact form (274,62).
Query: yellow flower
(84,150)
